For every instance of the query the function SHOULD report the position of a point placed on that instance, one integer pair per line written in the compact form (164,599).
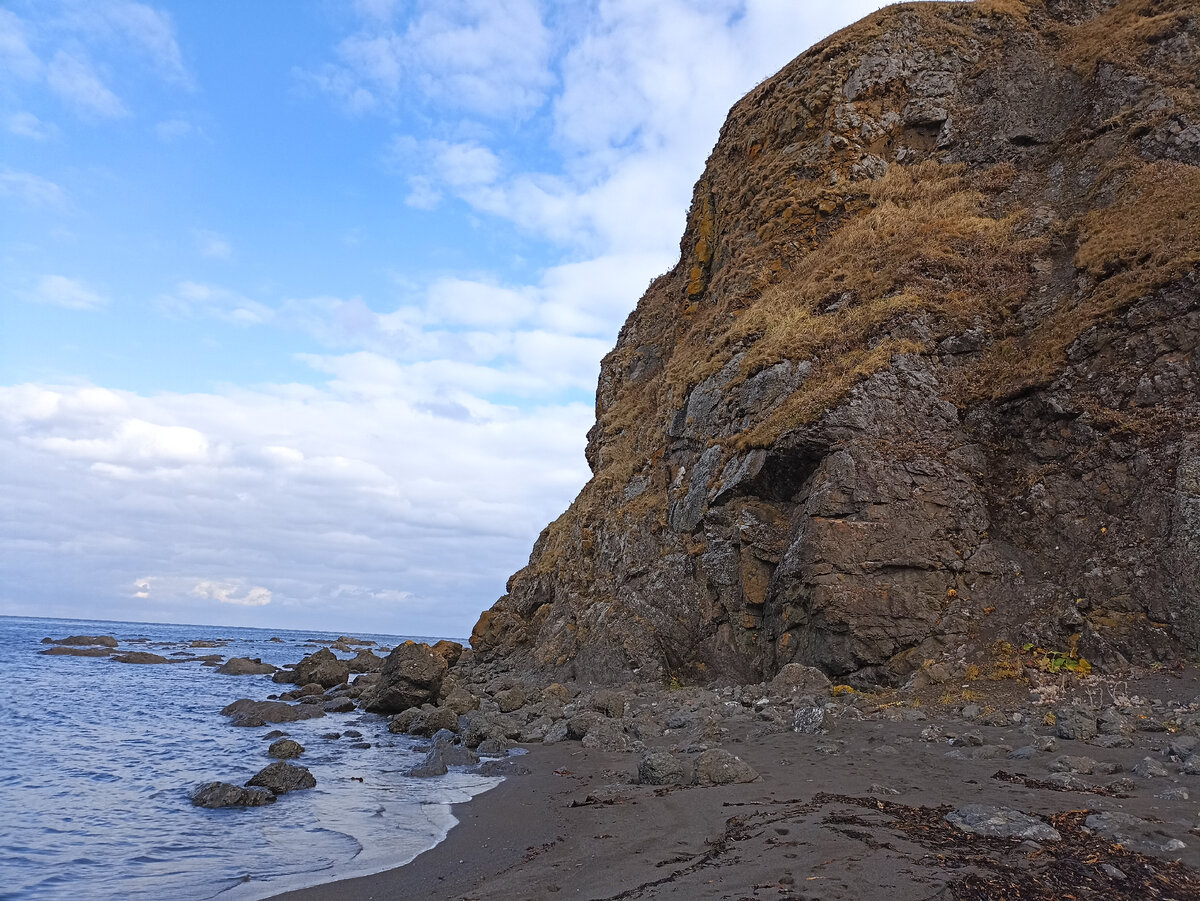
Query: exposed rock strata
(924,378)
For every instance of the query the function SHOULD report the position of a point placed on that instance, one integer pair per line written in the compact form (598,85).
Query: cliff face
(925,378)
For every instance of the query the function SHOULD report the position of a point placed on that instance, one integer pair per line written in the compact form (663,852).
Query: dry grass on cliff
(1147,239)
(923,250)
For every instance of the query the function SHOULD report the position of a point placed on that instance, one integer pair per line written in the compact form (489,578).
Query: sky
(302,302)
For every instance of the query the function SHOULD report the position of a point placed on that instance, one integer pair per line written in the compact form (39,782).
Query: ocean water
(98,758)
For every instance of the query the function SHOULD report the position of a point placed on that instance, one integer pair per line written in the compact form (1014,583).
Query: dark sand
(822,823)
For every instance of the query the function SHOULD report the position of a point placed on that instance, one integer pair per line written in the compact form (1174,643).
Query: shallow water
(99,758)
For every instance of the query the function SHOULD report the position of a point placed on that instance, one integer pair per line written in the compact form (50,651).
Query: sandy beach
(855,812)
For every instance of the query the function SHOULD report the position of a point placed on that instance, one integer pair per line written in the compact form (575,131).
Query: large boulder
(798,679)
(222,794)
(280,778)
(321,667)
(411,676)
(246,666)
(246,712)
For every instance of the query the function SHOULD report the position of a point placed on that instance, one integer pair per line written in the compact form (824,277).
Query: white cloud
(489,57)
(376,488)
(17,59)
(227,593)
(211,245)
(73,78)
(198,299)
(77,48)
(463,302)
(27,125)
(30,188)
(60,291)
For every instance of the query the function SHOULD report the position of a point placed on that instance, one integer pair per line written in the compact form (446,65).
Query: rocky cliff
(924,383)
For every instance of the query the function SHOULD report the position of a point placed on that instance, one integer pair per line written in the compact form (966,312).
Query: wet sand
(856,813)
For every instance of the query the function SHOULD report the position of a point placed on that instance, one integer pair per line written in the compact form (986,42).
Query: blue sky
(302,303)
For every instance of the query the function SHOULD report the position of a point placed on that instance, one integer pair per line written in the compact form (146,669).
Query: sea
(97,759)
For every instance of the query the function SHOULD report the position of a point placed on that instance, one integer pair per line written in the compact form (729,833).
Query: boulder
(342,704)
(664,768)
(433,765)
(798,679)
(1001,822)
(104,641)
(285,749)
(246,666)
(510,700)
(281,778)
(1133,832)
(718,767)
(139,657)
(411,676)
(430,722)
(450,651)
(365,661)
(322,667)
(609,702)
(222,794)
(808,720)
(245,712)
(1076,724)
(65,651)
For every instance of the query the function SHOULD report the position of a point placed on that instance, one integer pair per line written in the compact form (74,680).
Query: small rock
(1191,765)
(1025,753)
(1001,822)
(510,700)
(1075,724)
(1149,768)
(1046,743)
(1178,793)
(718,767)
(281,778)
(285,749)
(338,705)
(245,712)
(609,702)
(1109,742)
(143,657)
(808,720)
(245,666)
(663,768)
(1133,832)
(222,794)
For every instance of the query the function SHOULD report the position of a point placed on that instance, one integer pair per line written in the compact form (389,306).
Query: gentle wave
(100,757)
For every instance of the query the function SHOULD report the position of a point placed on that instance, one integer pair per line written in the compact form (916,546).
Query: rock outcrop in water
(923,384)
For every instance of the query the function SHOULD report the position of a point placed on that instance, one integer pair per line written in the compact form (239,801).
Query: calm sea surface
(97,759)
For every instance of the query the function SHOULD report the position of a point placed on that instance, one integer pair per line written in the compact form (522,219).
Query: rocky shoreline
(1003,777)
(1043,786)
